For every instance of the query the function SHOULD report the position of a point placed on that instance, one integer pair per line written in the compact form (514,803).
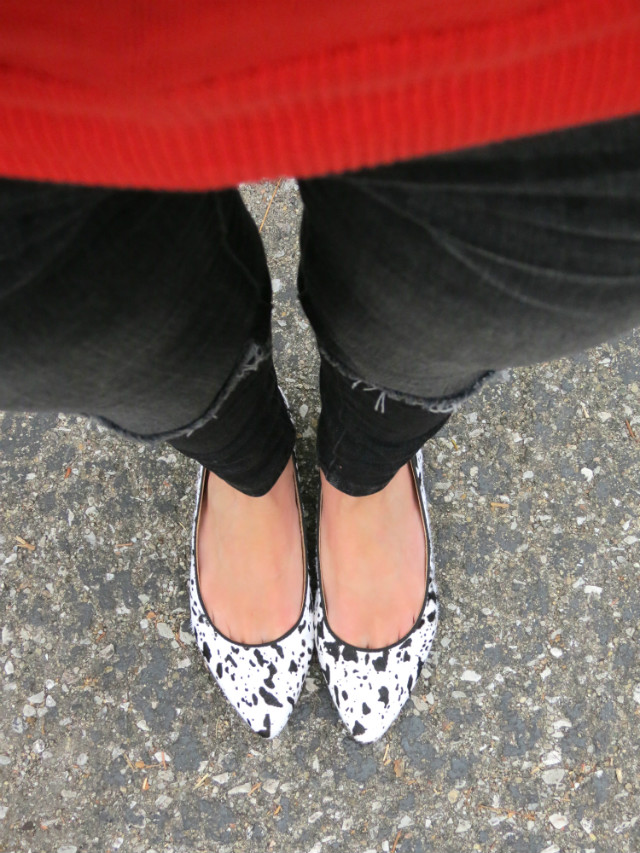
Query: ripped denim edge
(254,355)
(438,405)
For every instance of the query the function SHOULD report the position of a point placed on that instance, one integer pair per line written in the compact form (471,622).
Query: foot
(373,562)
(250,559)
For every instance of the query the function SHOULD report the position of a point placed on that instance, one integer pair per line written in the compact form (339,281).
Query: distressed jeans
(151,310)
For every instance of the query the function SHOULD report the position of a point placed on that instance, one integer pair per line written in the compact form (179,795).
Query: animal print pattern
(369,688)
(262,682)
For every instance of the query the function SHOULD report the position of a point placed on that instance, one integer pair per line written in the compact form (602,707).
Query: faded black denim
(150,310)
(424,278)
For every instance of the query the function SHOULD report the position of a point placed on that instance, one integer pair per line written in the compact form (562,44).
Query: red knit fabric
(199,94)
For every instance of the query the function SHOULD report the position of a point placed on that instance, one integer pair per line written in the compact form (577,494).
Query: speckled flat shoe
(369,687)
(262,682)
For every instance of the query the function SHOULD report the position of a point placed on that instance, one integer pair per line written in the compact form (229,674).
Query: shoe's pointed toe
(369,687)
(262,682)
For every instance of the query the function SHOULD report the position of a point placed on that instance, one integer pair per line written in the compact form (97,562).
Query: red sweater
(196,94)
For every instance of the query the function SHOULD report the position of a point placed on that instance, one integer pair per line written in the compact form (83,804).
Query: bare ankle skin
(250,559)
(373,561)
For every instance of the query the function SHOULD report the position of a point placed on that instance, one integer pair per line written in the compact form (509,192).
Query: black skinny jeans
(151,310)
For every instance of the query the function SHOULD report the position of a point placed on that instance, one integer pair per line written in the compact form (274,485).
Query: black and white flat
(369,687)
(262,682)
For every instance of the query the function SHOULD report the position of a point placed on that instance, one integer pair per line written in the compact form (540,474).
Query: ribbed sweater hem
(571,63)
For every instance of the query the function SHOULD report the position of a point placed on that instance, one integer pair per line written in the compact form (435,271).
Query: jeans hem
(347,487)
(253,356)
(268,480)
(438,405)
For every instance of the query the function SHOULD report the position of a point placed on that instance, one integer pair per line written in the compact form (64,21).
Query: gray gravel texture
(523,734)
